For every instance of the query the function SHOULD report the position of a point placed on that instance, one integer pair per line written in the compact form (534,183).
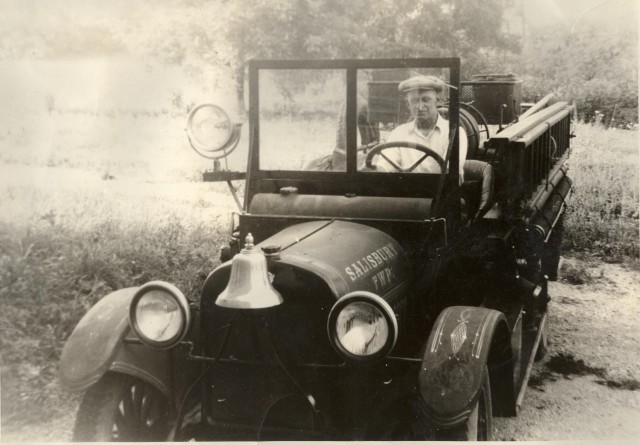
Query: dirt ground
(588,386)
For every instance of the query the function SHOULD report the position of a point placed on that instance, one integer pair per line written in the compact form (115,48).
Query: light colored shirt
(437,139)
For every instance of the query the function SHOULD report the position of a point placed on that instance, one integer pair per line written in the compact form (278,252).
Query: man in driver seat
(426,127)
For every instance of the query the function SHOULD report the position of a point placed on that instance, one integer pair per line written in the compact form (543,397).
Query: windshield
(354,127)
(299,110)
(303,119)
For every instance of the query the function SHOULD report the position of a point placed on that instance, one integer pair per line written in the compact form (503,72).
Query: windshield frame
(351,181)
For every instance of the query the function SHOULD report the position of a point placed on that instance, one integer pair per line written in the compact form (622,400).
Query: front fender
(96,346)
(455,354)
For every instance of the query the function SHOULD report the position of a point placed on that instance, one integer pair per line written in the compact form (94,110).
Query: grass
(72,245)
(602,217)
(69,235)
(320,135)
(114,143)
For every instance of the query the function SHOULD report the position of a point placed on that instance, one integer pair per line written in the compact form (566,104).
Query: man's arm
(394,153)
(462,141)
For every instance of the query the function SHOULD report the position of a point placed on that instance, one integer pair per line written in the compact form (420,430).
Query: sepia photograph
(319,220)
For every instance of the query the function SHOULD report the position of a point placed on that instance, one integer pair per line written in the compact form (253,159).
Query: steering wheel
(428,152)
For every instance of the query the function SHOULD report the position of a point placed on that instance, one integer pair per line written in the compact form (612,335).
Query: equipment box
(493,94)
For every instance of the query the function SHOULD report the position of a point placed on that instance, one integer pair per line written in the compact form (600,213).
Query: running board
(530,343)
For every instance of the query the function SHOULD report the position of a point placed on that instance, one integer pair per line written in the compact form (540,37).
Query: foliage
(222,35)
(120,143)
(598,69)
(371,28)
(358,29)
(602,216)
(55,264)
(594,61)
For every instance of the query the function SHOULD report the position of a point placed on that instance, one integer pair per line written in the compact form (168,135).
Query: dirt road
(588,387)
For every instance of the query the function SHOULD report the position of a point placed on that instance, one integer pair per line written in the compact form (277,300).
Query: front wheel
(121,408)
(479,425)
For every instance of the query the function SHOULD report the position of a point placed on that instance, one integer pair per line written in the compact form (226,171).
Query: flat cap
(420,83)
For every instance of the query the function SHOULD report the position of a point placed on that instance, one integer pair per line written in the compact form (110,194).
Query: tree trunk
(239,77)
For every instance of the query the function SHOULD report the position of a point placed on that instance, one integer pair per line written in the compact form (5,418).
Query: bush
(55,266)
(596,69)
(594,66)
(602,215)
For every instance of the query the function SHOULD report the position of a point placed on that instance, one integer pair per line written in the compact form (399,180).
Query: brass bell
(249,286)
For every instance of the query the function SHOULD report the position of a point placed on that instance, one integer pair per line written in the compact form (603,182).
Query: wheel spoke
(122,408)
(474,424)
(127,404)
(115,429)
(393,164)
(137,396)
(155,413)
(378,150)
(125,428)
(418,162)
(482,420)
(128,416)
(145,405)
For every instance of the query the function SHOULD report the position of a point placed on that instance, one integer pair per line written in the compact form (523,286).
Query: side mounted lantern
(214,135)
(211,132)
(249,286)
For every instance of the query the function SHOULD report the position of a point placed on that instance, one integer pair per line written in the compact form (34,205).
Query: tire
(473,132)
(470,125)
(479,425)
(121,408)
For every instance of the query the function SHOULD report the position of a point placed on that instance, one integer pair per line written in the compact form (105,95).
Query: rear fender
(461,341)
(96,346)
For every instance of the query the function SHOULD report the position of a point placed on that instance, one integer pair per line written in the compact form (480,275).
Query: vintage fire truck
(353,302)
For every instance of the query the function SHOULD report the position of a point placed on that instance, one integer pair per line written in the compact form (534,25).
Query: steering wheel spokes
(428,153)
(393,164)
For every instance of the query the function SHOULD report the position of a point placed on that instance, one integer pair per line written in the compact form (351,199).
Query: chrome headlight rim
(378,303)
(183,305)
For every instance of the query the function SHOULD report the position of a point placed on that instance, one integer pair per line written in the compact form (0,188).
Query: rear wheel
(479,425)
(121,408)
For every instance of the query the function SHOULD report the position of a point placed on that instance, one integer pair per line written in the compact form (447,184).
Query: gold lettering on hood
(363,266)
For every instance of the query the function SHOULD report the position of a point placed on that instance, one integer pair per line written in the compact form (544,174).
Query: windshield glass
(303,119)
(299,110)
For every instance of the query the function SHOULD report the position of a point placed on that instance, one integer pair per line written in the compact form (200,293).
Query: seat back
(478,187)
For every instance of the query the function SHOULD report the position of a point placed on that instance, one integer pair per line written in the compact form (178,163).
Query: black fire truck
(352,302)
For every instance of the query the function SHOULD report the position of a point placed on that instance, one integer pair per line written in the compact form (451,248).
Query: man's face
(423,105)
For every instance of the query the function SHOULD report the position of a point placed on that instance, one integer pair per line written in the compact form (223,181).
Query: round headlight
(159,314)
(209,129)
(362,326)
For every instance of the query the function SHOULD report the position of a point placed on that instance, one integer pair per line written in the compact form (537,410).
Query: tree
(295,29)
(225,34)
(596,67)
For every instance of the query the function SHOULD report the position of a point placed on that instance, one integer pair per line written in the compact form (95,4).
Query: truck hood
(346,255)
